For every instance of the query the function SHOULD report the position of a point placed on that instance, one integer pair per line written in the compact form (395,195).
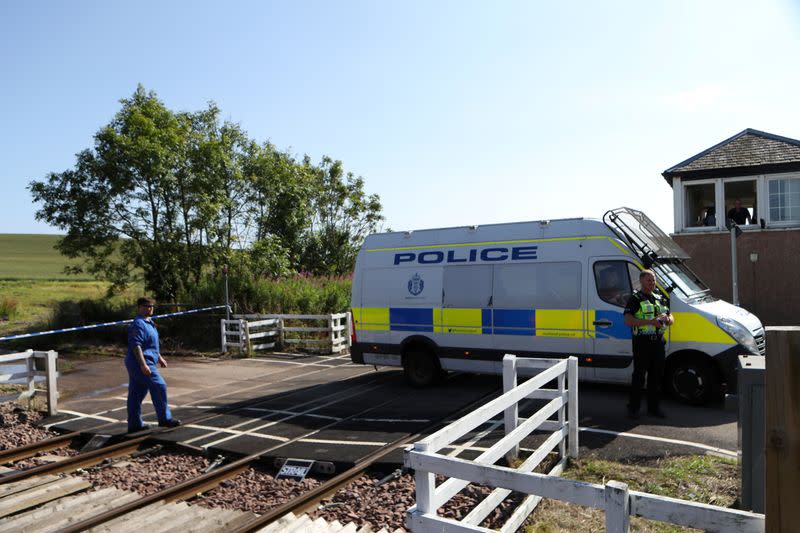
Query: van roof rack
(643,236)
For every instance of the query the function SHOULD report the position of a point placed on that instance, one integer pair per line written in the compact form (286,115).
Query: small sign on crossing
(296,469)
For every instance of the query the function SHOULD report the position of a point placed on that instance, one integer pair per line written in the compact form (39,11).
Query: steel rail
(76,461)
(29,450)
(96,456)
(307,500)
(202,482)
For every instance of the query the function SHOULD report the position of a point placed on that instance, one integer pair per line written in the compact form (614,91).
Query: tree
(343,215)
(170,196)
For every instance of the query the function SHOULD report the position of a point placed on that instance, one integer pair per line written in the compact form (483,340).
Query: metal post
(734,270)
(227,302)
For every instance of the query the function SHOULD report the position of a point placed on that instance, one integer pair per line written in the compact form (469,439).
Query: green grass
(698,478)
(36,300)
(25,256)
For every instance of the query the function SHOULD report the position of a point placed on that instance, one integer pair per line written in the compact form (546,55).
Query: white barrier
(618,502)
(38,364)
(242,330)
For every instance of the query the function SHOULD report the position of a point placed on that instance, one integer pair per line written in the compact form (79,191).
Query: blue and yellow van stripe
(564,323)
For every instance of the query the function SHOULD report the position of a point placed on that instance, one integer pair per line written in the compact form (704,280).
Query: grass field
(35,300)
(33,257)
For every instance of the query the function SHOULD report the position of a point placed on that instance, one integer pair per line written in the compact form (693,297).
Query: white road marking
(712,449)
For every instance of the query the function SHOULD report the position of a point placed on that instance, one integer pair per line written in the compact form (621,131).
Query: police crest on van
(416,284)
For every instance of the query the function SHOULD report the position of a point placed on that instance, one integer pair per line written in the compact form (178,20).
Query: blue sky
(454,112)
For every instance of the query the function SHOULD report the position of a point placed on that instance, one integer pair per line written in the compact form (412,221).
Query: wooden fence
(618,502)
(323,333)
(38,364)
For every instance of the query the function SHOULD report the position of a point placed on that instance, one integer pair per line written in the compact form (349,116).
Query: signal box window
(700,206)
(740,202)
(613,281)
(784,200)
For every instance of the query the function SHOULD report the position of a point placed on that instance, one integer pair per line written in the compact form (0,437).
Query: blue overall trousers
(143,333)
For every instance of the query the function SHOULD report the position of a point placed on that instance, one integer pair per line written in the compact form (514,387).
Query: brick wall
(769,288)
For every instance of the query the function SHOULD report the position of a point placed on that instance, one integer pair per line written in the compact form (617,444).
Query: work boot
(142,428)
(171,423)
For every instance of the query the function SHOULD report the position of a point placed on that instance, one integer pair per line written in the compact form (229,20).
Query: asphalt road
(686,429)
(606,431)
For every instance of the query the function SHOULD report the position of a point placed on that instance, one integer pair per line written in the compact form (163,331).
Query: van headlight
(739,333)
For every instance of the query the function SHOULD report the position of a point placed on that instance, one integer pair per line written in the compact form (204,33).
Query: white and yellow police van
(460,298)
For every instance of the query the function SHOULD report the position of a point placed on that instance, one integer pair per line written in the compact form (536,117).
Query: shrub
(299,294)
(8,308)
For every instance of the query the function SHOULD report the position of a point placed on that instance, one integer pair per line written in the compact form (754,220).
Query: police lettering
(473,255)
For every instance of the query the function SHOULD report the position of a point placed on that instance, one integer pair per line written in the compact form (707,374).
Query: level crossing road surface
(327,409)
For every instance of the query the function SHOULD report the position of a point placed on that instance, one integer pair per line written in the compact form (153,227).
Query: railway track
(67,439)
(146,505)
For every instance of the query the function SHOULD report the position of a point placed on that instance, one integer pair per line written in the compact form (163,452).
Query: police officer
(141,361)
(647,314)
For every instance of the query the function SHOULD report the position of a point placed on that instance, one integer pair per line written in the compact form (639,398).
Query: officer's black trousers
(648,358)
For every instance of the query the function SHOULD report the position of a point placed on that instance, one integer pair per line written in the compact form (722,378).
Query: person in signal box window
(739,214)
(141,361)
(647,315)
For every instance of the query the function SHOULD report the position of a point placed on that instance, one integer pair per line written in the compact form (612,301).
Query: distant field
(33,257)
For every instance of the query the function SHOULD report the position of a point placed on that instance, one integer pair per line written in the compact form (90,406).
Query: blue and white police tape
(104,324)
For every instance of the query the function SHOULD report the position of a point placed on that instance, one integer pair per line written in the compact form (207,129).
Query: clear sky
(454,112)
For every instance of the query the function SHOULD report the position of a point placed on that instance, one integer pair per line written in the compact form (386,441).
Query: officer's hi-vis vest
(648,311)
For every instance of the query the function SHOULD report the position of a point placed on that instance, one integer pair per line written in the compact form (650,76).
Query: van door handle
(603,323)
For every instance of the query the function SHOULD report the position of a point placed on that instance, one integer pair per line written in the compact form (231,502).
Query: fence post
(30,361)
(331,333)
(425,484)
(617,507)
(782,393)
(244,329)
(572,405)
(52,384)
(511,413)
(349,340)
(281,333)
(562,444)
(222,335)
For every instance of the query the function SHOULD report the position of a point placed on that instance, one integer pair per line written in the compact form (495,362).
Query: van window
(467,286)
(538,285)
(634,272)
(613,281)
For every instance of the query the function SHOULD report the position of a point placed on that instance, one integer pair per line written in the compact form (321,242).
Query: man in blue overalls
(141,361)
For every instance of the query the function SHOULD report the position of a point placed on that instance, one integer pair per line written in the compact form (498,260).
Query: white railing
(618,502)
(38,364)
(333,336)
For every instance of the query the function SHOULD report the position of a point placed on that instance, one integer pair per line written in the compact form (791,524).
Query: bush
(8,308)
(69,314)
(299,294)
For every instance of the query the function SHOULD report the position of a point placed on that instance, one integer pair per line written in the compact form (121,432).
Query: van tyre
(421,368)
(693,380)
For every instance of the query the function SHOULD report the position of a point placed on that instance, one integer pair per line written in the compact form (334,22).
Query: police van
(460,298)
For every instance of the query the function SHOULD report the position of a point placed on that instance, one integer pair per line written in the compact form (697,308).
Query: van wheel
(693,380)
(421,368)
